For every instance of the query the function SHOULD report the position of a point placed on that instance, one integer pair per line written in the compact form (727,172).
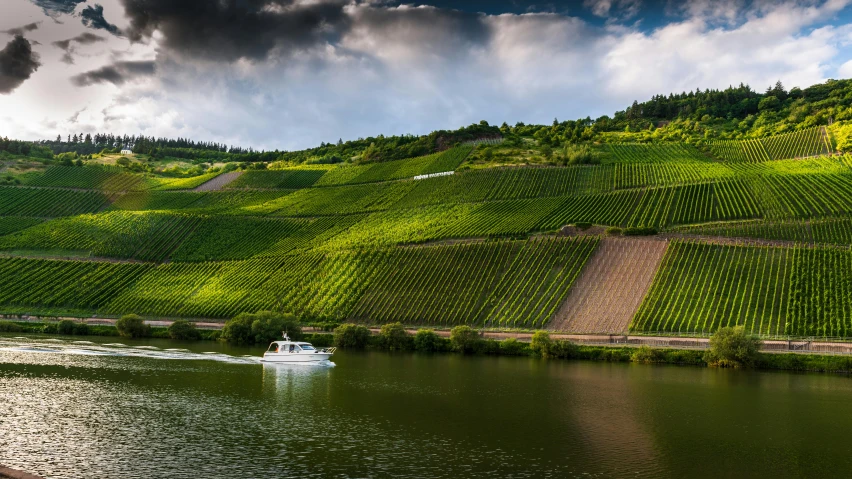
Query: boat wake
(58,346)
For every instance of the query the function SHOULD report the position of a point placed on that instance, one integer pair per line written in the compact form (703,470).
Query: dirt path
(219,182)
(611,286)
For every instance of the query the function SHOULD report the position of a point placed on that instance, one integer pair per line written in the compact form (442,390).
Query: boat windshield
(307,347)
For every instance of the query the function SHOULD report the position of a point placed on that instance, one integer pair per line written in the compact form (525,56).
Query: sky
(290,74)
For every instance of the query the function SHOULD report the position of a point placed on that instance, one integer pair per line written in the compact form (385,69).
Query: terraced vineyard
(447,160)
(760,239)
(147,236)
(292,179)
(507,283)
(701,287)
(48,202)
(88,177)
(798,144)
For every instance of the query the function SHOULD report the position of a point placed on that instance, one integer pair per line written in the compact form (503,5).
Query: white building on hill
(126,152)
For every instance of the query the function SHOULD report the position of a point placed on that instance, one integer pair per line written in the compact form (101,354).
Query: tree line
(695,116)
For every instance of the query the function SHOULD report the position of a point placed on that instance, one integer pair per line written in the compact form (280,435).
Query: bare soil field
(611,286)
(219,182)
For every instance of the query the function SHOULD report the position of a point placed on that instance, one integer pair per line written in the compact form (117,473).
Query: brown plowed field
(611,286)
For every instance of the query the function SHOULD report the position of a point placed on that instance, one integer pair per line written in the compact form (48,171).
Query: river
(113,408)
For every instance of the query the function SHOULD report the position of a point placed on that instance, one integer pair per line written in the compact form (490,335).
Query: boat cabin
(290,347)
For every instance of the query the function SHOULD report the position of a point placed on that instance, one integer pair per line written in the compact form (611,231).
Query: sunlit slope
(481,246)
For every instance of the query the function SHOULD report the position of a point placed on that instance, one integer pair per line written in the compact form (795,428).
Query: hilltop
(678,215)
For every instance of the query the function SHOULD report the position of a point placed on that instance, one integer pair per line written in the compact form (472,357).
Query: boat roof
(292,342)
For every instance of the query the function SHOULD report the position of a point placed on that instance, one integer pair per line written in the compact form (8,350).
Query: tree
(268,326)
(427,341)
(182,329)
(351,336)
(394,337)
(237,330)
(132,326)
(541,343)
(465,339)
(260,328)
(732,347)
(769,103)
(66,326)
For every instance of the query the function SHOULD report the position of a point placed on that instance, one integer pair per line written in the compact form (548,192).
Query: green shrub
(132,326)
(351,336)
(640,231)
(160,333)
(580,155)
(465,339)
(513,347)
(394,337)
(541,343)
(563,349)
(182,329)
(427,341)
(66,326)
(81,329)
(614,231)
(582,225)
(645,354)
(48,328)
(9,327)
(732,348)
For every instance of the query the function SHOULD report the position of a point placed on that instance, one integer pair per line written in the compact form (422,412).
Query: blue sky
(289,74)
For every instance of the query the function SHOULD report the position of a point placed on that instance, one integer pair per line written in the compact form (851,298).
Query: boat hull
(295,358)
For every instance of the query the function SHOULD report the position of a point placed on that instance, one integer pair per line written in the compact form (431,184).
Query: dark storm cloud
(55,7)
(231,29)
(82,39)
(17,63)
(22,30)
(118,73)
(93,17)
(443,32)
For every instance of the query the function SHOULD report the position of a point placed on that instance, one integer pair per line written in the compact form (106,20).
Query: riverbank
(691,352)
(794,345)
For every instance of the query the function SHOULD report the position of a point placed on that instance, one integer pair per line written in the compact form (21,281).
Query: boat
(288,351)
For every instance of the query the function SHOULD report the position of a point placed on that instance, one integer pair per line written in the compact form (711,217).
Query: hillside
(494,232)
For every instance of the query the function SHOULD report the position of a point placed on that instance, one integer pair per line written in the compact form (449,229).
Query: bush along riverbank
(729,347)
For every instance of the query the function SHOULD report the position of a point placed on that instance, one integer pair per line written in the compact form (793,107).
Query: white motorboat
(288,351)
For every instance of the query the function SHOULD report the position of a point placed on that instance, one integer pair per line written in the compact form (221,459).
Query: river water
(119,409)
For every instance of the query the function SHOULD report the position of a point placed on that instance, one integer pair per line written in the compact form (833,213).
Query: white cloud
(621,9)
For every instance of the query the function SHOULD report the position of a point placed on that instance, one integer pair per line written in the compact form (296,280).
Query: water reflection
(170,410)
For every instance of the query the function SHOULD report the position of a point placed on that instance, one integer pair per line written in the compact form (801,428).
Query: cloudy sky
(289,74)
